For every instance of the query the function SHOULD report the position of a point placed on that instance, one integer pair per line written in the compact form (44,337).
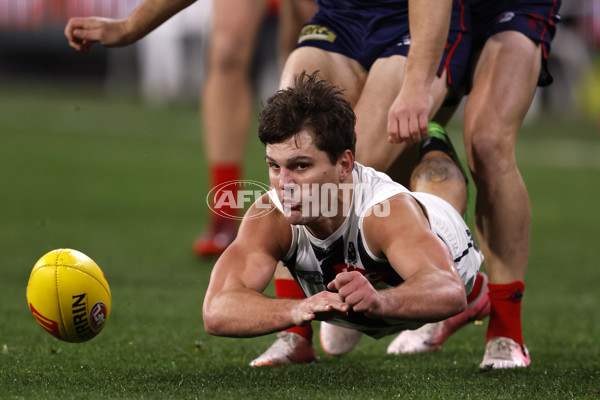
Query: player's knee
(437,168)
(228,56)
(440,176)
(490,151)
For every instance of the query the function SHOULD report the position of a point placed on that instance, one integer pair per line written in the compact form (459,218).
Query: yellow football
(68,295)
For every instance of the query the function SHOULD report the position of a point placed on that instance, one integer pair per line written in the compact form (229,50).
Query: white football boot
(337,340)
(421,340)
(430,337)
(502,352)
(289,348)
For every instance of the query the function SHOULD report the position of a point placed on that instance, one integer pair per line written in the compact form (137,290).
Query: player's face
(302,173)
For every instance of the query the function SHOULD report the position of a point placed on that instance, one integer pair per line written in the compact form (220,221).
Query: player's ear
(346,163)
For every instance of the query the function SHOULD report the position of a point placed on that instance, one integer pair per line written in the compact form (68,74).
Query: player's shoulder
(393,213)
(401,205)
(398,219)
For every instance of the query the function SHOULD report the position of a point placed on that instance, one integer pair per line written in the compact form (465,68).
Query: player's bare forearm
(82,32)
(432,289)
(425,297)
(152,13)
(409,114)
(429,22)
(246,313)
(234,304)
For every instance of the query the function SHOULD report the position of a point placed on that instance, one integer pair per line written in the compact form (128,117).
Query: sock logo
(516,296)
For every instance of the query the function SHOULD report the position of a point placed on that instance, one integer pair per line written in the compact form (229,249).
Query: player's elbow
(212,328)
(212,318)
(210,325)
(456,300)
(213,325)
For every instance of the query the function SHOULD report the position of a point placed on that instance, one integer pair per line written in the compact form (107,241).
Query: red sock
(219,175)
(505,317)
(290,289)
(476,288)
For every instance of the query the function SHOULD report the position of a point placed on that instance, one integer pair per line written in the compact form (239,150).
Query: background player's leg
(293,14)
(504,83)
(226,106)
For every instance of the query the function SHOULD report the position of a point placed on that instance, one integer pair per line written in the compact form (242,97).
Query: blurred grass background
(126,185)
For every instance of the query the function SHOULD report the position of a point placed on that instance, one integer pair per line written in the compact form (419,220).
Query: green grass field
(126,185)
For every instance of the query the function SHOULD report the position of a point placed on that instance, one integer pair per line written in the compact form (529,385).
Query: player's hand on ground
(409,115)
(83,32)
(320,307)
(357,292)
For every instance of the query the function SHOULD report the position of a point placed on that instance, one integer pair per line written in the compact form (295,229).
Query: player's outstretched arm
(432,289)
(235,305)
(83,32)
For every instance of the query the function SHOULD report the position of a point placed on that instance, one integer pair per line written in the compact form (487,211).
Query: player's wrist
(381,307)
(297,316)
(130,31)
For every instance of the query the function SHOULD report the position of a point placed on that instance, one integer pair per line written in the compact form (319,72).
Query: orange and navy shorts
(535,19)
(368,30)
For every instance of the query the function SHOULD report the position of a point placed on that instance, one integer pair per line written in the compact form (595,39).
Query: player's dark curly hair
(315,105)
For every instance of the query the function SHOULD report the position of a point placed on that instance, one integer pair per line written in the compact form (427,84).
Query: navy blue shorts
(535,19)
(376,30)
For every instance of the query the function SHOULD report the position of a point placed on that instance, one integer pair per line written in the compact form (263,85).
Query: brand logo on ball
(229,199)
(98,315)
(80,321)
